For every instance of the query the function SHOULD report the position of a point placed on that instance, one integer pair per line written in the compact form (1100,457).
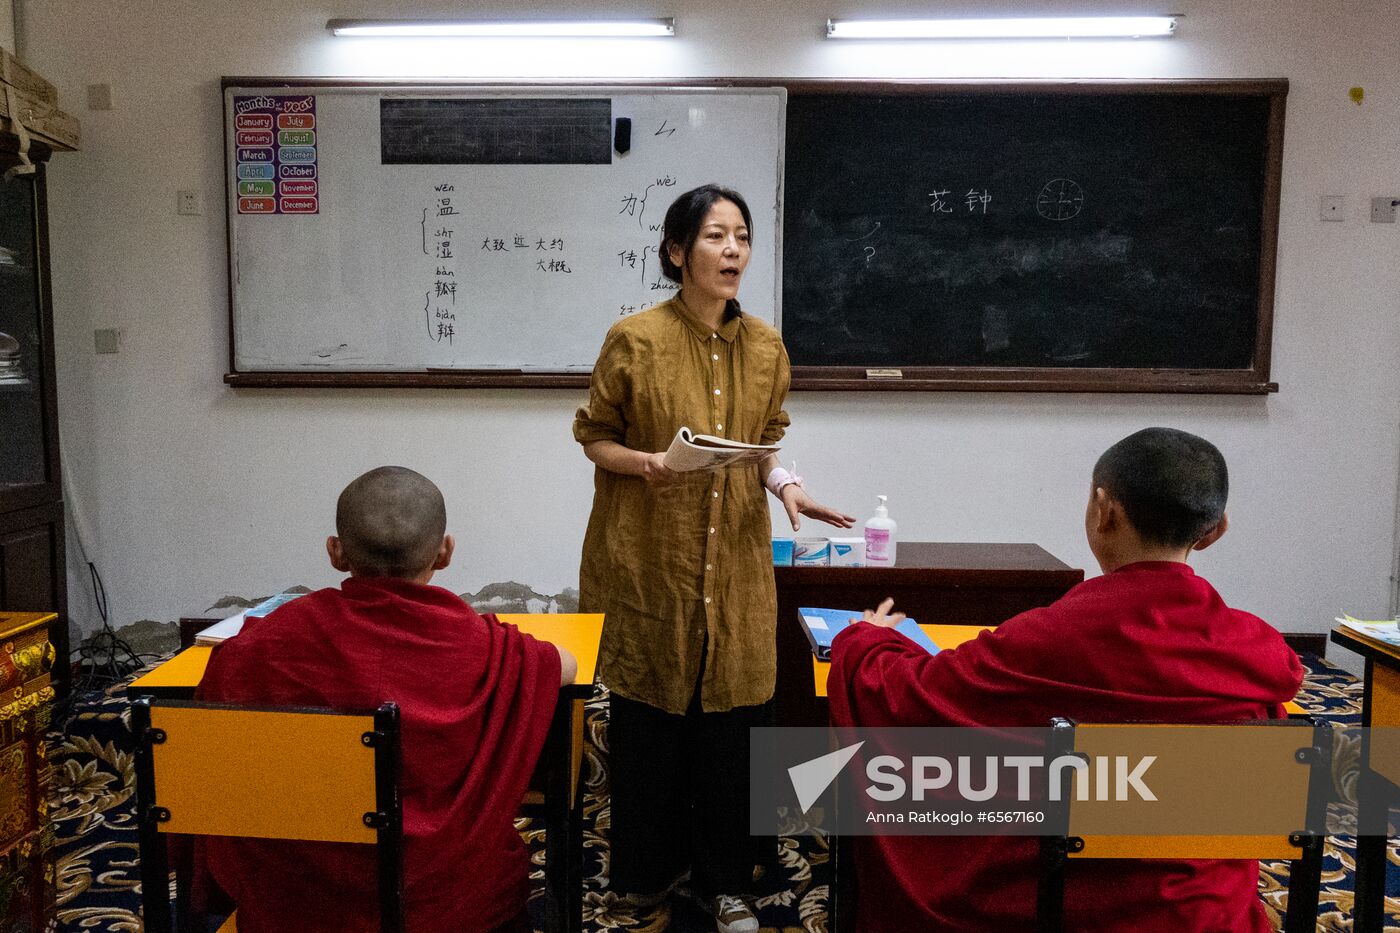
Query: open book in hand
(689,452)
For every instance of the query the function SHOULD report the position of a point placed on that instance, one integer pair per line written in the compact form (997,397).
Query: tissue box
(847,552)
(782,552)
(811,552)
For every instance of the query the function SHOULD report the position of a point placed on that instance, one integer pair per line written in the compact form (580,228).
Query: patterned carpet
(99,888)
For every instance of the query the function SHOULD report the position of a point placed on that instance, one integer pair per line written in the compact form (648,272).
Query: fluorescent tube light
(489,28)
(1063,27)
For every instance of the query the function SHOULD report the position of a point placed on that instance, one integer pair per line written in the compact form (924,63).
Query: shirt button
(714,336)
(715,355)
(715,494)
(712,531)
(709,566)
(707,599)
(717,391)
(719,427)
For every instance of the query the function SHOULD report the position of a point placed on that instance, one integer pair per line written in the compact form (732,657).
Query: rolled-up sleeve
(778,420)
(602,419)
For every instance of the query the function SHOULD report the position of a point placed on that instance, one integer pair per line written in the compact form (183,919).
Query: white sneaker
(732,915)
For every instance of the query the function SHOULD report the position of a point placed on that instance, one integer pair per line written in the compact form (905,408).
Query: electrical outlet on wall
(1334,207)
(187,202)
(1383,210)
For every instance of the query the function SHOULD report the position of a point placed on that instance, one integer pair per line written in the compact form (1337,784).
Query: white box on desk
(847,552)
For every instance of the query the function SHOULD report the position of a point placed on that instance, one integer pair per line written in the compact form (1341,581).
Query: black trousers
(680,798)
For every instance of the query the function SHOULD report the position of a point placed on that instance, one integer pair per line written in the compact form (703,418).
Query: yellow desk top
(577,632)
(950,636)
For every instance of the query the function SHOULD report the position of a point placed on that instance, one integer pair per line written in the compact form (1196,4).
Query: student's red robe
(1148,642)
(475,696)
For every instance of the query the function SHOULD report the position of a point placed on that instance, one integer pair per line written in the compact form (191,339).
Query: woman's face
(718,255)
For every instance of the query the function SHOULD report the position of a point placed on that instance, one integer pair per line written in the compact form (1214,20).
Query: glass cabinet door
(22,450)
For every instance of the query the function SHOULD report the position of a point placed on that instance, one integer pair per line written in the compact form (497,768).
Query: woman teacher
(682,565)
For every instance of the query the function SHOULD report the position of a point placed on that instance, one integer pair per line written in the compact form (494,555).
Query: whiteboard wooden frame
(430,376)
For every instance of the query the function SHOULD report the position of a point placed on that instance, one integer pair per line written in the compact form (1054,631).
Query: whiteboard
(342,261)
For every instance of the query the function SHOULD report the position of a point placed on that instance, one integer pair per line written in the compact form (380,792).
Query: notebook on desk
(823,625)
(222,631)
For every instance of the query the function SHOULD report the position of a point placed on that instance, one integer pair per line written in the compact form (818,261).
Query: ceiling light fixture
(1066,27)
(504,28)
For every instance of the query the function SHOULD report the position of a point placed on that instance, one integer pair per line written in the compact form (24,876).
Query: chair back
(1295,753)
(299,774)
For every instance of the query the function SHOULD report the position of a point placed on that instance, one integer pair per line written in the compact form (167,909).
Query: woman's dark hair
(682,225)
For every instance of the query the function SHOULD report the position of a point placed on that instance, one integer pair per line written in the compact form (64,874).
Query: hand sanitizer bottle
(879,537)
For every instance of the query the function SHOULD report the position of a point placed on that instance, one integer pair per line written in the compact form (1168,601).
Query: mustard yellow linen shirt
(686,568)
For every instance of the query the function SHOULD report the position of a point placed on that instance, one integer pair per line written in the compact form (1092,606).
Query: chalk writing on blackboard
(1060,199)
(941,202)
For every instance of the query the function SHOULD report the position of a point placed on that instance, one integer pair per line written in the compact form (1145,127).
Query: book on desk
(1385,631)
(222,631)
(823,625)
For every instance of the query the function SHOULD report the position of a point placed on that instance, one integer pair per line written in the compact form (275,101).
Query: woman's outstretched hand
(797,502)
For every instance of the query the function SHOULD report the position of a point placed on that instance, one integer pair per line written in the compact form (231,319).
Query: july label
(275,135)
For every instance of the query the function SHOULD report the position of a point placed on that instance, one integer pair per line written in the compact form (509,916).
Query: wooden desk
(560,761)
(1378,787)
(934,583)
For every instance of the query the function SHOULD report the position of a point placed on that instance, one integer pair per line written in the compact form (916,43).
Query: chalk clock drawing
(1060,199)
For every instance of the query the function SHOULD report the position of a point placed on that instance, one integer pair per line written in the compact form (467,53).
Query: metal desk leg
(840,900)
(563,869)
(1373,798)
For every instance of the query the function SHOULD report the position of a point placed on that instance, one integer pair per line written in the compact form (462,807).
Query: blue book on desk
(823,625)
(272,602)
(223,631)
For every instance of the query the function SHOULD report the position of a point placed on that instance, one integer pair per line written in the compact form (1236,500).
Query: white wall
(192,490)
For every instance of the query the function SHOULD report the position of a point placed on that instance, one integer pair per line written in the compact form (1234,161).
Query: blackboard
(387,233)
(1115,236)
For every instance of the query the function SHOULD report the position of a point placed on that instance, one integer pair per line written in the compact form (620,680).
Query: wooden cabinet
(32,577)
(26,836)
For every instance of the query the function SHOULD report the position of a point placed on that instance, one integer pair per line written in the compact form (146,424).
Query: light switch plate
(106,340)
(1334,207)
(99,96)
(1383,210)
